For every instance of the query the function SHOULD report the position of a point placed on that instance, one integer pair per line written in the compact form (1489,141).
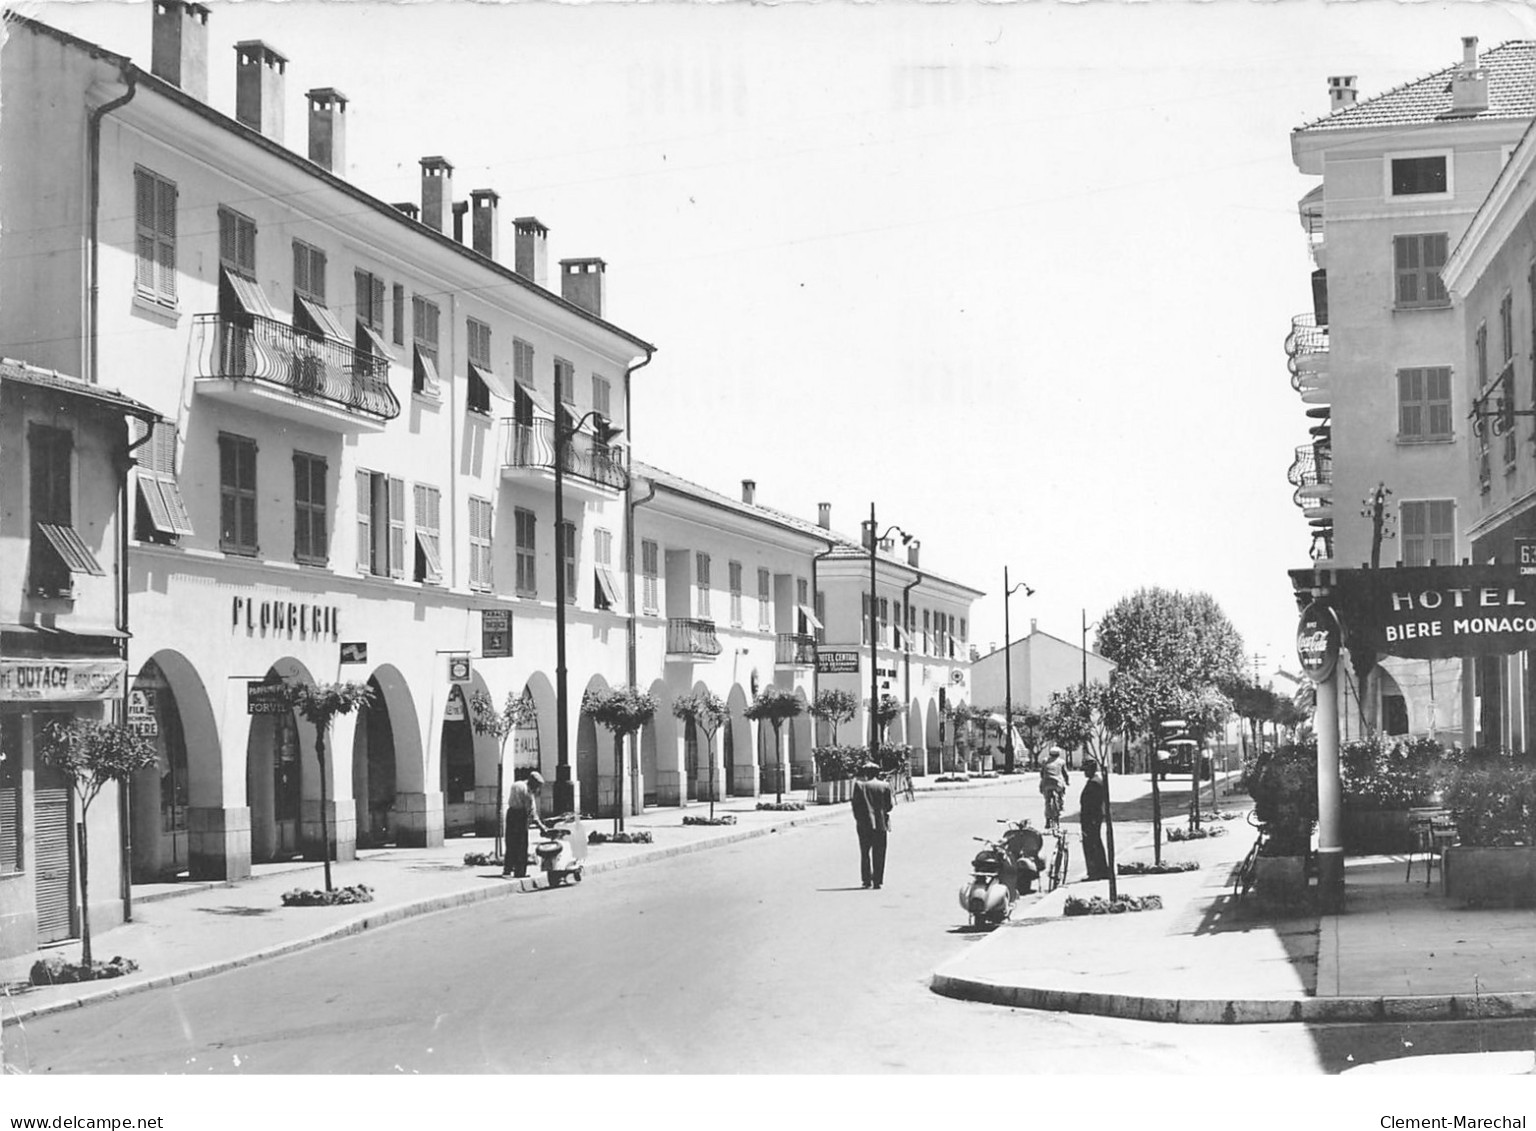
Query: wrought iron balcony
(531,447)
(1311,473)
(1306,348)
(794,650)
(257,354)
(687,636)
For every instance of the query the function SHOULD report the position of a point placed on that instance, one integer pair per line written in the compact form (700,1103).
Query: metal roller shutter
(55,903)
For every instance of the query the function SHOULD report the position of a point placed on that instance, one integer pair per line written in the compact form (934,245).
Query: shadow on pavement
(238,912)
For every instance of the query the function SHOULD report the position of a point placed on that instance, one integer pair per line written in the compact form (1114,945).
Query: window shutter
(300,268)
(365,521)
(396,528)
(165,226)
(364,287)
(377,308)
(228,238)
(144,201)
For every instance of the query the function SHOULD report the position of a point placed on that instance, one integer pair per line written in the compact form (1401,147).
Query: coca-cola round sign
(1317,641)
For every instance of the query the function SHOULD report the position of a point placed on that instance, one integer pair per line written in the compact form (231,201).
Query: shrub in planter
(1147,868)
(313,897)
(837,763)
(780,806)
(639,837)
(1494,799)
(724,819)
(1283,785)
(57,971)
(1098,905)
(1378,772)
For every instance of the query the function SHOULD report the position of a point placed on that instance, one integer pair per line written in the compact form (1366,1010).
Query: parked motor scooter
(1001,871)
(562,851)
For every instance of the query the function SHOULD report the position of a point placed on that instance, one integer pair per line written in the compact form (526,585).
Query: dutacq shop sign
(1436,612)
(61,680)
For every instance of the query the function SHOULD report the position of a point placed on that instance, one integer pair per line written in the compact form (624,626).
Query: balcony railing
(791,649)
(533,446)
(253,348)
(1306,340)
(690,637)
(1312,468)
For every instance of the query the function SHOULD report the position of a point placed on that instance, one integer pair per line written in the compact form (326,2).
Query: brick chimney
(912,550)
(484,232)
(437,193)
(1341,92)
(583,283)
(259,71)
(328,129)
(824,515)
(410,209)
(748,491)
(1469,85)
(179,53)
(530,250)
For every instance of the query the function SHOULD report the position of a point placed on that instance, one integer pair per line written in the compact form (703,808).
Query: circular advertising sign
(1317,641)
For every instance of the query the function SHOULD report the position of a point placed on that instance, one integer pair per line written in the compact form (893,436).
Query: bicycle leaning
(1061,859)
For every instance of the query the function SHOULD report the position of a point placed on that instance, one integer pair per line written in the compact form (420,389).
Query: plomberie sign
(1436,612)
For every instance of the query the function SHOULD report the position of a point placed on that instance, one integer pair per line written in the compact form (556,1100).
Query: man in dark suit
(872,804)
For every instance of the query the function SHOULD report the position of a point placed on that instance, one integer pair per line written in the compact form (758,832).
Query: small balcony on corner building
(271,367)
(1311,473)
(1306,353)
(794,650)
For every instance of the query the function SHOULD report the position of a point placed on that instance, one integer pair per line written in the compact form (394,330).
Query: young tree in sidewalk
(834,706)
(319,704)
(621,711)
(92,753)
(775,704)
(517,711)
(707,712)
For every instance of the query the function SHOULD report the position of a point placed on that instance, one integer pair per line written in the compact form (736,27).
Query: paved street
(764,956)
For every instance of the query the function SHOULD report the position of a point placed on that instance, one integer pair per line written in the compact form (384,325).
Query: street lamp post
(875,535)
(1008,670)
(565,789)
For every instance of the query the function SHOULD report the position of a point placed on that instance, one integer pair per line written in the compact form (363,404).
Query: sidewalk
(182,931)
(1398,950)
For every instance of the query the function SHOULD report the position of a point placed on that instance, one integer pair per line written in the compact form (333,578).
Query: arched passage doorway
(589,757)
(278,764)
(740,766)
(168,703)
(387,757)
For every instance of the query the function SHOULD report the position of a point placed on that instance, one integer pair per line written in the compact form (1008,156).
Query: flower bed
(482,859)
(313,897)
(56,971)
(1098,905)
(642,837)
(952,777)
(1146,868)
(780,806)
(726,819)
(1180,833)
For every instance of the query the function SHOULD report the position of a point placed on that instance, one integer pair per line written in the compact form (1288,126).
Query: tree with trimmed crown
(775,704)
(319,704)
(834,706)
(517,711)
(92,753)
(621,711)
(707,712)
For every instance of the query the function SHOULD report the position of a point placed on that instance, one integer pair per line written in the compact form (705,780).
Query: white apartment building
(1378,361)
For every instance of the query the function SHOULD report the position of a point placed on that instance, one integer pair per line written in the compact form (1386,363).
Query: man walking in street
(872,815)
(1090,815)
(522,807)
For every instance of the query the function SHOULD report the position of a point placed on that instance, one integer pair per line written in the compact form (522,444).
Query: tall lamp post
(1008,670)
(875,535)
(565,788)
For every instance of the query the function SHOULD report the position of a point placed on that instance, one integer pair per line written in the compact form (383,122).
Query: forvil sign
(1435,612)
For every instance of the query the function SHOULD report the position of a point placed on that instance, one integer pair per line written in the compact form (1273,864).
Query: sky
(1018,274)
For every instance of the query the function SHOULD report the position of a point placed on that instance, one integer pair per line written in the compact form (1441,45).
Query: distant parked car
(1180,761)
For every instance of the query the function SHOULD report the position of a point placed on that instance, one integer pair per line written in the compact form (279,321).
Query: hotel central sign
(1437,612)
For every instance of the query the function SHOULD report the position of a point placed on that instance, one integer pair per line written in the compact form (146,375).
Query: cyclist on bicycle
(1054,780)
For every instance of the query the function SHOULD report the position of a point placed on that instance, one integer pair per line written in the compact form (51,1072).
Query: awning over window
(540,405)
(810,617)
(503,387)
(162,497)
(426,371)
(606,589)
(71,549)
(428,544)
(324,321)
(247,293)
(375,340)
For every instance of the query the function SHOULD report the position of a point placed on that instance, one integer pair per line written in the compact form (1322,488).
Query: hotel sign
(1437,612)
(836,661)
(61,680)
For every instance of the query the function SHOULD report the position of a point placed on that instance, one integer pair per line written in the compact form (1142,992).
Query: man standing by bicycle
(1054,780)
(1090,815)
